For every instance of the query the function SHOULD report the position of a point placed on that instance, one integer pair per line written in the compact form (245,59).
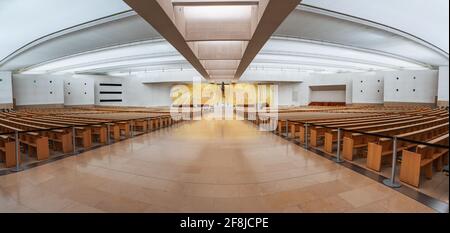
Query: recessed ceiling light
(217,12)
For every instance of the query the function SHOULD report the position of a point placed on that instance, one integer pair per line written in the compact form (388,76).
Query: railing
(392,180)
(16,134)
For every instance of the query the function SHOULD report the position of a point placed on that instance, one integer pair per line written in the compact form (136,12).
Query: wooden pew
(327,104)
(297,127)
(116,128)
(167,120)
(153,123)
(140,125)
(8,148)
(33,142)
(83,134)
(391,124)
(124,126)
(60,138)
(423,159)
(100,130)
(331,135)
(383,147)
(317,132)
(298,122)
(162,122)
(357,141)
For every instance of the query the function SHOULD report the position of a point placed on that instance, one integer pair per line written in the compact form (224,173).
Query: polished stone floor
(203,166)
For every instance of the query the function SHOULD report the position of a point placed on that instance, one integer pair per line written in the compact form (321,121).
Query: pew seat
(7,151)
(35,144)
(383,147)
(423,159)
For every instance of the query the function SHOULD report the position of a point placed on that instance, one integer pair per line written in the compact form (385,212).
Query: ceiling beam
(214,3)
(274,14)
(232,30)
(155,13)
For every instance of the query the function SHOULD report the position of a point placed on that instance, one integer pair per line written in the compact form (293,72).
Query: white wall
(270,75)
(144,90)
(38,89)
(79,90)
(86,89)
(368,88)
(324,79)
(410,86)
(443,84)
(134,91)
(288,94)
(6,93)
(53,89)
(328,96)
(155,91)
(380,87)
(98,80)
(250,75)
(186,75)
(361,88)
(149,95)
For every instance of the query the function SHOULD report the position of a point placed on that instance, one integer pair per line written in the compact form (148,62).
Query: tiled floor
(437,187)
(206,166)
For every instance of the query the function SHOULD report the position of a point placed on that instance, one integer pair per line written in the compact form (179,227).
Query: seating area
(48,133)
(366,137)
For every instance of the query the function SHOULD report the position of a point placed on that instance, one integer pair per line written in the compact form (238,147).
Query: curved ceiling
(23,21)
(279,52)
(316,35)
(426,20)
(320,26)
(127,29)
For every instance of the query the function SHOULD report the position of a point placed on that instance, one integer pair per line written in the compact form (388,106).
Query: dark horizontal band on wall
(111,100)
(110,92)
(111,84)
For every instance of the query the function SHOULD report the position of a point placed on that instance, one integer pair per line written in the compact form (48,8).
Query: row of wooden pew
(369,137)
(55,133)
(327,104)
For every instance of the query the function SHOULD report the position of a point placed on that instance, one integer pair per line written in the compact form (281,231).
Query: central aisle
(207,166)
